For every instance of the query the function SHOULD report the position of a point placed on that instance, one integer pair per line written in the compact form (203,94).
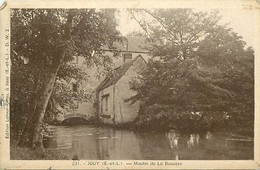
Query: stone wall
(126,111)
(119,109)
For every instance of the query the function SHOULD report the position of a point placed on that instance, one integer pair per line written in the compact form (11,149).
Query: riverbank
(25,153)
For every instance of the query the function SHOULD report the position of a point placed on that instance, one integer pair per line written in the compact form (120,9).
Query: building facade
(109,106)
(114,91)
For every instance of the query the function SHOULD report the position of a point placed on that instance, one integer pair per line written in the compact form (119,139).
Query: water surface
(104,143)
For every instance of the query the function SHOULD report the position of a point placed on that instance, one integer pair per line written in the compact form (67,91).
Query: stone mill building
(114,90)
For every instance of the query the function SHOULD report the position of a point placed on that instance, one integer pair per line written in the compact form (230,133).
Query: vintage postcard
(130,84)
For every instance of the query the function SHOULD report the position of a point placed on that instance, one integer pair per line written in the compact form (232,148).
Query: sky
(242,22)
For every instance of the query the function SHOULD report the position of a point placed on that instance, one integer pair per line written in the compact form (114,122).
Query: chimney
(127,57)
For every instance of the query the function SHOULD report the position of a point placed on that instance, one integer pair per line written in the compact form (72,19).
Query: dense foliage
(201,76)
(44,42)
(25,84)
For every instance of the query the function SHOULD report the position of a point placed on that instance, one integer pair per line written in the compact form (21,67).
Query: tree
(224,51)
(176,33)
(201,78)
(48,39)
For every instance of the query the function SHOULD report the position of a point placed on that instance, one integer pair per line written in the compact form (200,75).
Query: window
(104,104)
(106,108)
(75,87)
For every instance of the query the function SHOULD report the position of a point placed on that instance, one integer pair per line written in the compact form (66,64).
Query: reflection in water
(76,148)
(193,140)
(197,139)
(103,144)
(190,142)
(89,142)
(209,135)
(173,138)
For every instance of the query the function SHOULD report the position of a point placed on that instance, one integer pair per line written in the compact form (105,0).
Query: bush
(165,117)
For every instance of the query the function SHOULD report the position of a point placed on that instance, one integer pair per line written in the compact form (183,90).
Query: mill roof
(114,76)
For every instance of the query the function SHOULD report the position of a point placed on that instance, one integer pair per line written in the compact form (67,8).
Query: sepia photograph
(137,84)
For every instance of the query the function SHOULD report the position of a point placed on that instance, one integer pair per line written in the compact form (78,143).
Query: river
(105,143)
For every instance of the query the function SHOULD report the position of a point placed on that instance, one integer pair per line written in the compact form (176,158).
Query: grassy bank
(25,153)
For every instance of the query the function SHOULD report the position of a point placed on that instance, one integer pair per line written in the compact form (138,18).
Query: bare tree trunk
(40,109)
(43,99)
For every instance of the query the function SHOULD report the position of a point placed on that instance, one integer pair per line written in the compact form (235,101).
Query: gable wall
(125,111)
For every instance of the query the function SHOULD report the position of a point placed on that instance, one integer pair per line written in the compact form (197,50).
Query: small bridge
(75,118)
(75,115)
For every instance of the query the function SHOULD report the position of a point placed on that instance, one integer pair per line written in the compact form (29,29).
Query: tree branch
(165,26)
(150,37)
